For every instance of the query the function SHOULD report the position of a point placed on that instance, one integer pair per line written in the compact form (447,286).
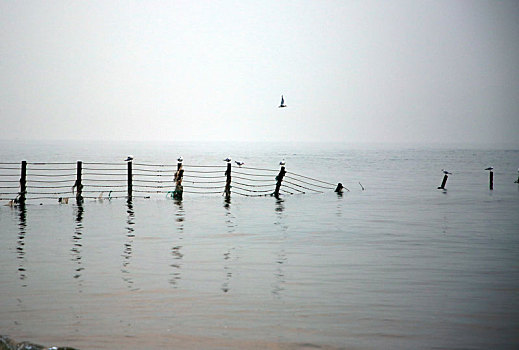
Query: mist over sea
(398,265)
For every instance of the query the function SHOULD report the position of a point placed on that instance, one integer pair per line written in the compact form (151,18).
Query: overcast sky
(350,71)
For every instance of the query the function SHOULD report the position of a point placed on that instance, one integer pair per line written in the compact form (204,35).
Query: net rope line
(306,188)
(55,193)
(155,181)
(155,170)
(102,186)
(310,178)
(9,168)
(244,178)
(295,189)
(50,181)
(251,195)
(53,175)
(204,187)
(175,165)
(104,169)
(248,190)
(305,182)
(101,163)
(285,191)
(153,175)
(92,191)
(29,186)
(251,185)
(50,169)
(202,177)
(104,174)
(51,163)
(262,169)
(249,174)
(102,180)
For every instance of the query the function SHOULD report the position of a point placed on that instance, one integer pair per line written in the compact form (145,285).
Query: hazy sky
(352,71)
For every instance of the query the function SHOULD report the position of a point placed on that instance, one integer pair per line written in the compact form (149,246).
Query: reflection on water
(180,214)
(227,256)
(229,217)
(176,253)
(127,252)
(76,240)
(20,247)
(281,256)
(228,271)
(338,213)
(77,258)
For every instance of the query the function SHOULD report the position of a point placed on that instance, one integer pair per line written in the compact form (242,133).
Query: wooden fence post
(130,176)
(78,185)
(445,177)
(228,180)
(23,182)
(491,180)
(279,179)
(179,189)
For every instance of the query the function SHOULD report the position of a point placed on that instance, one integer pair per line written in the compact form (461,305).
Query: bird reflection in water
(176,252)
(76,240)
(20,247)
(281,256)
(127,252)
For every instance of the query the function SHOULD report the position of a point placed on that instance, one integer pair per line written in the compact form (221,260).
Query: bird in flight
(282,104)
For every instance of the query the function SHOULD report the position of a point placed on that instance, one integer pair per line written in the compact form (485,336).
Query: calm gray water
(400,265)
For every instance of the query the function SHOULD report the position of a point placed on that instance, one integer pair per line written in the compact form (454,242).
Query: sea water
(398,264)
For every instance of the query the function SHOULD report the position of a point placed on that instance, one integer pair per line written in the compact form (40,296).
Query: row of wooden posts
(177,193)
(490,181)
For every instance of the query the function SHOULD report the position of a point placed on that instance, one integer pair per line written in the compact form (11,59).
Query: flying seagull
(490,168)
(282,104)
(239,163)
(130,157)
(446,172)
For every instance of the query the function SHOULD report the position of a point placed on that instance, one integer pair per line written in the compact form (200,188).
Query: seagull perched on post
(228,159)
(282,163)
(446,172)
(180,159)
(239,163)
(130,157)
(490,168)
